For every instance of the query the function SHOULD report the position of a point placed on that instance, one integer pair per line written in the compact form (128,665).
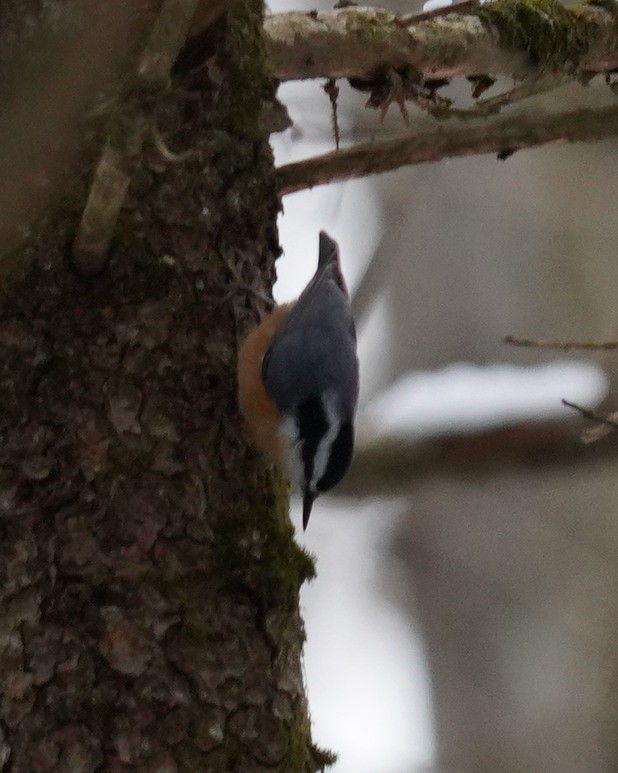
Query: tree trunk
(149,576)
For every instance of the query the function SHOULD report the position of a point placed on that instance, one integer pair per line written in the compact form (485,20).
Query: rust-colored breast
(261,415)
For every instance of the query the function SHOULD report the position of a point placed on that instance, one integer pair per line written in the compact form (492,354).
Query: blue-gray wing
(314,350)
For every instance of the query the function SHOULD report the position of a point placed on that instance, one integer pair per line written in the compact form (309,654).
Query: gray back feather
(314,350)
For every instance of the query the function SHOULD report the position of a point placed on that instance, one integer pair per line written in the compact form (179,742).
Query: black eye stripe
(312,426)
(339,459)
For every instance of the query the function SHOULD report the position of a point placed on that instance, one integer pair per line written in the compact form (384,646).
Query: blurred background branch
(564,346)
(394,465)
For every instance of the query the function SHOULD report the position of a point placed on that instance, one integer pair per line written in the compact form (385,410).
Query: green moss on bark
(258,545)
(304,755)
(549,32)
(249,78)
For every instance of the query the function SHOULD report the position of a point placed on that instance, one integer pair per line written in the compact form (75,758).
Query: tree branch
(111,178)
(504,37)
(565,346)
(504,137)
(592,416)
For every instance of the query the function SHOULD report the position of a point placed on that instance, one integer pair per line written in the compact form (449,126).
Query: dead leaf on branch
(394,87)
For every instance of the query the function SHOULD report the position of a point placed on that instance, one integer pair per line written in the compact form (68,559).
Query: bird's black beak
(308,499)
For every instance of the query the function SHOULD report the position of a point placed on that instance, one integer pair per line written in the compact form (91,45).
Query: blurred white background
(398,652)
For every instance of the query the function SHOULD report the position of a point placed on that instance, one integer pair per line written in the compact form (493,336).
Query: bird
(298,382)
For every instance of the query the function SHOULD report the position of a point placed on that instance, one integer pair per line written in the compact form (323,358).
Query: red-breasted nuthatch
(298,382)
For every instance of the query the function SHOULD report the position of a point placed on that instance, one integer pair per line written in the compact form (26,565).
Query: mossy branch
(502,37)
(503,137)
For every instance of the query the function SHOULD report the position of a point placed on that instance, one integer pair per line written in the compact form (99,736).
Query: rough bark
(148,574)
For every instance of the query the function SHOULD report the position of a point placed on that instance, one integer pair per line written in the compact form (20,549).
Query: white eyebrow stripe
(322,454)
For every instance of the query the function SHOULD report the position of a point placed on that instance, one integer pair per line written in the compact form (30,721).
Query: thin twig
(591,415)
(503,136)
(564,346)
(484,108)
(332,90)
